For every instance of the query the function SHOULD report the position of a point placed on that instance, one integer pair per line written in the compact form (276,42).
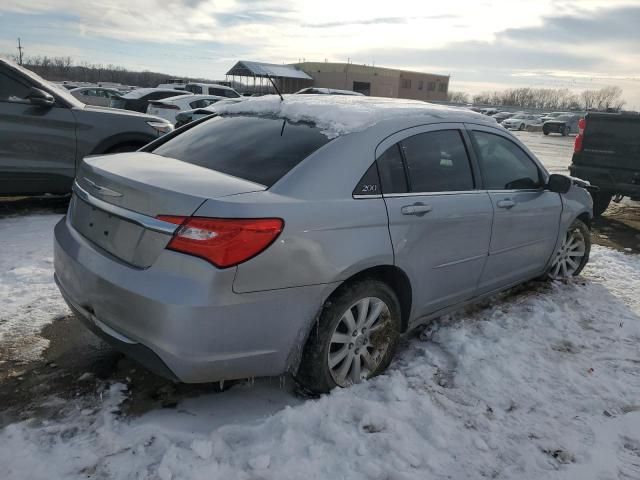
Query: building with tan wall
(377,81)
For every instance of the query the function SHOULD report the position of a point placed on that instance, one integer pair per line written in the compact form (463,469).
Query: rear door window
(437,162)
(257,149)
(392,172)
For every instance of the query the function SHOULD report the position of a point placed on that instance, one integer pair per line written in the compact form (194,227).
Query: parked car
(189,116)
(553,115)
(562,124)
(172,106)
(607,154)
(212,89)
(520,121)
(174,84)
(95,95)
(249,245)
(490,111)
(45,132)
(502,116)
(138,100)
(327,91)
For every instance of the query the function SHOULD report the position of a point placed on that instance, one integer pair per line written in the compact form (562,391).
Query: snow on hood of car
(335,115)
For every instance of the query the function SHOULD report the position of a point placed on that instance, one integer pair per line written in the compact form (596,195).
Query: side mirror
(40,98)
(559,183)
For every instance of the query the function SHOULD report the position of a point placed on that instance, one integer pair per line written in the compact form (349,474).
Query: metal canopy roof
(257,69)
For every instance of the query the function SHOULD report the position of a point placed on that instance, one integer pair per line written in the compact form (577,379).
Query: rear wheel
(356,338)
(545,130)
(565,131)
(573,254)
(601,201)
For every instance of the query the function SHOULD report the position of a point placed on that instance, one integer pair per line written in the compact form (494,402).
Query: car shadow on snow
(14,206)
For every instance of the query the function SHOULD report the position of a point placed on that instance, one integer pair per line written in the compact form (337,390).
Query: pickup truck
(607,154)
(45,132)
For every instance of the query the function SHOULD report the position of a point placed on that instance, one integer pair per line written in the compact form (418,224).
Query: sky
(482,44)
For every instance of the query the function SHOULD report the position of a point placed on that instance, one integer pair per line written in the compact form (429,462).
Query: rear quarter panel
(328,235)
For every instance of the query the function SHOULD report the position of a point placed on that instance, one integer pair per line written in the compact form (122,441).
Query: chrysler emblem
(107,192)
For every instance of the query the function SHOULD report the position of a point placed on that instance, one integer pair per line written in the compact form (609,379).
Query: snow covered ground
(542,383)
(26,288)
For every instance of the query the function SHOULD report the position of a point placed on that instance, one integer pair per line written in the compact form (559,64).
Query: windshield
(258,149)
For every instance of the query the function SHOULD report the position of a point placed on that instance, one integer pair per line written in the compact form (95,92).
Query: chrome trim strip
(145,221)
(367,196)
(427,194)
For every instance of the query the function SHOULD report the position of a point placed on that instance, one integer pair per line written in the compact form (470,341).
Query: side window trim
(400,135)
(542,171)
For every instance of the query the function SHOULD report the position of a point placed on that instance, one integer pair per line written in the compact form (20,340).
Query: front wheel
(573,254)
(521,127)
(356,337)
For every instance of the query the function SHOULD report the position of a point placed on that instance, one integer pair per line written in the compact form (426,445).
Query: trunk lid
(118,197)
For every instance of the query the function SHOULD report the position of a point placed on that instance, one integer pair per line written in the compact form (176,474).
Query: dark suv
(607,154)
(45,132)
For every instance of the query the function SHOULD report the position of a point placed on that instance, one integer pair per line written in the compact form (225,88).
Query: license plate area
(123,239)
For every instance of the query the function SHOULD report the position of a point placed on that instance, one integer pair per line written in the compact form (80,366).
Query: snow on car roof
(335,115)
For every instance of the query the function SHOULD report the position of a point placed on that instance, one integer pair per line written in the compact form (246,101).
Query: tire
(573,254)
(565,131)
(315,373)
(601,201)
(545,130)
(521,127)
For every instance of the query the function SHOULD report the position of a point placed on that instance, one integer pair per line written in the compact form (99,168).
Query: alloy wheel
(570,255)
(359,341)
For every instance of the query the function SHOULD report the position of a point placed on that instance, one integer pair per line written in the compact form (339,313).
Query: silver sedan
(253,245)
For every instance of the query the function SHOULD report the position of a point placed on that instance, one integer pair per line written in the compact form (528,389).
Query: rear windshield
(258,149)
(613,134)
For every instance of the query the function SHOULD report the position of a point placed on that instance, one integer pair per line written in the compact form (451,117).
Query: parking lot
(542,382)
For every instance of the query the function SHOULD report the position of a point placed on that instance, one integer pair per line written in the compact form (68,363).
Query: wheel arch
(394,277)
(121,139)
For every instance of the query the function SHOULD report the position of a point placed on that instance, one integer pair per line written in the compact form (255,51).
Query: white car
(168,108)
(95,95)
(212,89)
(521,121)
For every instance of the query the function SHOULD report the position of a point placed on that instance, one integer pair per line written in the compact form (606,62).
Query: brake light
(224,242)
(582,124)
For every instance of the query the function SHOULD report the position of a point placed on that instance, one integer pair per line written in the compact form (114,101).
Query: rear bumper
(180,317)
(602,178)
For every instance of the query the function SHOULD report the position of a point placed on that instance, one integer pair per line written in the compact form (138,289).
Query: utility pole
(19,52)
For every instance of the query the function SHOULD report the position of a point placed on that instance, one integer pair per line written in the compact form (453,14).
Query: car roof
(343,114)
(217,85)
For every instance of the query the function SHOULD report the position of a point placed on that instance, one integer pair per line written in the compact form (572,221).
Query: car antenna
(275,86)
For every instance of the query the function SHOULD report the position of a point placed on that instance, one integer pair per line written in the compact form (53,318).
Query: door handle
(418,209)
(506,203)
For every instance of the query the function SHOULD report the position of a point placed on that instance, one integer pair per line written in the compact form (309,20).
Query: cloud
(605,26)
(379,21)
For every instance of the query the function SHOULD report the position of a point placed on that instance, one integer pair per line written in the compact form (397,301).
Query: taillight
(582,124)
(225,242)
